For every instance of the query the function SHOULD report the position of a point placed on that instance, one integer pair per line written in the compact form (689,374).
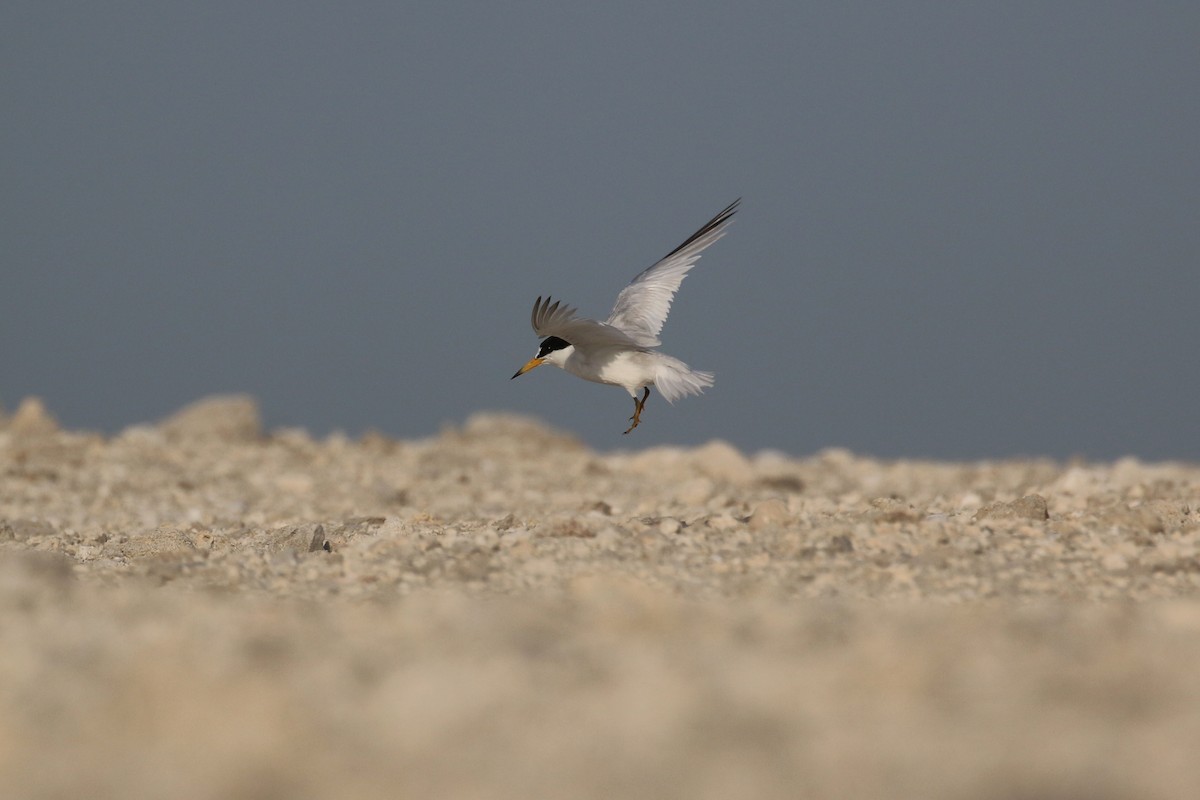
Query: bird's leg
(638,405)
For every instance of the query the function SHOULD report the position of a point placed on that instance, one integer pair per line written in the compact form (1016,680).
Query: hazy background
(969,229)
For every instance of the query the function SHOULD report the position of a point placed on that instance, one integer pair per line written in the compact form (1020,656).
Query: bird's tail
(675,379)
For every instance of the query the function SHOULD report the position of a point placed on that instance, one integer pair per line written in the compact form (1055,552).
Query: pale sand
(197,609)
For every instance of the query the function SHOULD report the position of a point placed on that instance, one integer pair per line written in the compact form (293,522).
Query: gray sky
(969,229)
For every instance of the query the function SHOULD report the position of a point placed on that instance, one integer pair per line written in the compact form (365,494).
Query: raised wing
(556,319)
(643,305)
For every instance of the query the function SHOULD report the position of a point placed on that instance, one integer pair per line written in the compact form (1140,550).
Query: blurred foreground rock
(32,419)
(230,418)
(200,609)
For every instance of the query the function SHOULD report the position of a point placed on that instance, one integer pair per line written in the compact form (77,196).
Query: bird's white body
(634,370)
(620,351)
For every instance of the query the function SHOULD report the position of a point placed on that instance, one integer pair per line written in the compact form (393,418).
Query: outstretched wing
(643,305)
(556,319)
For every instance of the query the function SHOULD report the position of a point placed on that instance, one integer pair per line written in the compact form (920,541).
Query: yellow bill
(533,362)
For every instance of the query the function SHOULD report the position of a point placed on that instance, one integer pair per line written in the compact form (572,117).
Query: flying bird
(621,350)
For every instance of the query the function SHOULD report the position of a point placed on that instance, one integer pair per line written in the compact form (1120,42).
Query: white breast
(629,369)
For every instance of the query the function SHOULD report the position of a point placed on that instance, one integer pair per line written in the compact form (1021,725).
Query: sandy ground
(200,609)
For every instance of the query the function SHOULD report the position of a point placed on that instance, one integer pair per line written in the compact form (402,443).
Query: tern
(621,350)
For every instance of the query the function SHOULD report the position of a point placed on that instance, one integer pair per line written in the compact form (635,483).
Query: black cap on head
(550,344)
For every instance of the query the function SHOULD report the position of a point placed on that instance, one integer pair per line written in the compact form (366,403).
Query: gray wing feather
(643,305)
(557,319)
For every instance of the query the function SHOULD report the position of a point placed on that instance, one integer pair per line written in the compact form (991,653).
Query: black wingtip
(717,221)
(725,214)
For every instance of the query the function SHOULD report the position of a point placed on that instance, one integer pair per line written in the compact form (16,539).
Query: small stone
(721,522)
(567,529)
(890,509)
(1031,506)
(318,540)
(669,526)
(297,539)
(166,544)
(769,514)
(841,543)
(601,507)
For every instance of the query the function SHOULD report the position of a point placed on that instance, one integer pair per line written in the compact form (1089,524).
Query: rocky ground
(199,609)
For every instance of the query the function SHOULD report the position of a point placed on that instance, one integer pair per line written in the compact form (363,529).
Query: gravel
(202,609)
